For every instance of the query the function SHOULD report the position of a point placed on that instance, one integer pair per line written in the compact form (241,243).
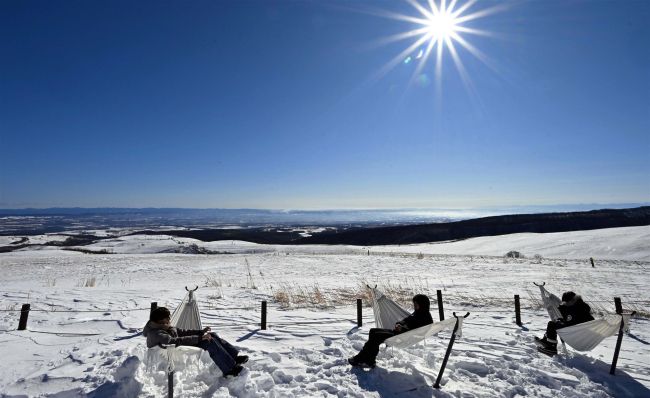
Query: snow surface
(97,350)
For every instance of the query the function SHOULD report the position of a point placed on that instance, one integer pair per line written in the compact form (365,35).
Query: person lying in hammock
(159,331)
(420,317)
(574,311)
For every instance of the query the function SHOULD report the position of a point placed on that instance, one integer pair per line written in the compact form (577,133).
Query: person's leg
(370,350)
(232,351)
(219,355)
(551,331)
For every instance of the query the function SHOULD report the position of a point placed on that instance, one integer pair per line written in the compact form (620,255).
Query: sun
(441,26)
(438,29)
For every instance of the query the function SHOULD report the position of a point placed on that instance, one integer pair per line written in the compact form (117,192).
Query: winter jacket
(575,311)
(415,320)
(156,335)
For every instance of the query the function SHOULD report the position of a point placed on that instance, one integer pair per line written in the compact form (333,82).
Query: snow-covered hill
(96,350)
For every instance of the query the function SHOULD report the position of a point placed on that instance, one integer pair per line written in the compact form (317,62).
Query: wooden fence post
(517,310)
(263,320)
(154,305)
(359,312)
(24,314)
(618,305)
(441,311)
(619,310)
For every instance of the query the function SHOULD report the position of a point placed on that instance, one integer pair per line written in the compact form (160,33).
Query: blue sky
(273,104)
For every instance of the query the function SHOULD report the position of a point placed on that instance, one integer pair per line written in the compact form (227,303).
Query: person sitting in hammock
(159,331)
(574,311)
(420,317)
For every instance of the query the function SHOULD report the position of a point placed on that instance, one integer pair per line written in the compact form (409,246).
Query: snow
(628,243)
(312,333)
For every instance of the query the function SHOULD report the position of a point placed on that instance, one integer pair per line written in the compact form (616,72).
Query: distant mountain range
(433,232)
(366,227)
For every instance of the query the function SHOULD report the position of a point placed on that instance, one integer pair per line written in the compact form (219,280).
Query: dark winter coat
(420,317)
(156,335)
(415,320)
(575,311)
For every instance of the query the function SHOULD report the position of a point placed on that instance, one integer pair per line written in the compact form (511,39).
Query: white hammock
(414,336)
(388,313)
(587,335)
(187,315)
(171,357)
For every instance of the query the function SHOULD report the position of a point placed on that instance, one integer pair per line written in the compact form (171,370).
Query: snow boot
(358,363)
(544,345)
(234,372)
(241,359)
(548,351)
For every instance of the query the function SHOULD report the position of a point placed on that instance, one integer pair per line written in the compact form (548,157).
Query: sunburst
(439,29)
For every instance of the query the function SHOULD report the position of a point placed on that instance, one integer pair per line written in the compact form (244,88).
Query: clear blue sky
(272,104)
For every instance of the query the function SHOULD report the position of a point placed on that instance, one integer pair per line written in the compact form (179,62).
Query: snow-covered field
(88,309)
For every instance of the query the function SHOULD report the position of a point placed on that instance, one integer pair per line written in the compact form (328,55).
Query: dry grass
(213,281)
(250,283)
(293,295)
(88,282)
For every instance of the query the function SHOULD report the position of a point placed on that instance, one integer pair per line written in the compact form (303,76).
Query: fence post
(154,305)
(263,320)
(441,311)
(618,305)
(517,310)
(592,262)
(170,384)
(24,314)
(359,312)
(619,310)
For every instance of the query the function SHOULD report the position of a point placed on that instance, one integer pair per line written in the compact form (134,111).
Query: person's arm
(403,325)
(165,338)
(189,332)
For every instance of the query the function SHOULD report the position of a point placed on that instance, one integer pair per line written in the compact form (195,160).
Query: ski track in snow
(304,351)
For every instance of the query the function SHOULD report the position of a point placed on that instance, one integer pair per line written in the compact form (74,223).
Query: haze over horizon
(278,105)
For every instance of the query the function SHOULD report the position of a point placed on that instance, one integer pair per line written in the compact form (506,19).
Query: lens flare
(439,28)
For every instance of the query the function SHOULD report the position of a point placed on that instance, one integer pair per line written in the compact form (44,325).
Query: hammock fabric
(414,336)
(187,315)
(388,313)
(587,335)
(170,357)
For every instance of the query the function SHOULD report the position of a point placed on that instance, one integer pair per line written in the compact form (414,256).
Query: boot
(234,372)
(241,359)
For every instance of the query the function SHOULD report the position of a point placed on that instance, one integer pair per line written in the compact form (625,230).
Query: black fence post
(441,311)
(619,341)
(618,305)
(517,310)
(592,262)
(24,314)
(154,305)
(359,312)
(170,384)
(263,320)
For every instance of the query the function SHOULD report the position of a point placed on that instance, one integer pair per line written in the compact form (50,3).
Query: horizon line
(492,207)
